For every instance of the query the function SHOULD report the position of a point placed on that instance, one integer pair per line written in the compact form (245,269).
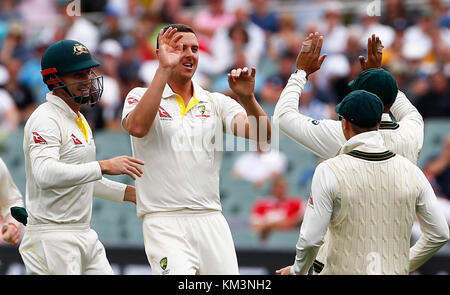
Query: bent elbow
(137,130)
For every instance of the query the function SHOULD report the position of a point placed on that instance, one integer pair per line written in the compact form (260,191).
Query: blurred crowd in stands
(232,33)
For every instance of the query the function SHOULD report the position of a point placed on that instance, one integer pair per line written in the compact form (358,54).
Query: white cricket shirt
(182,150)
(325,137)
(61,170)
(324,206)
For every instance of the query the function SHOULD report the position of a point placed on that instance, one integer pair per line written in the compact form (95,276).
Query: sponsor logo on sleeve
(132,100)
(38,139)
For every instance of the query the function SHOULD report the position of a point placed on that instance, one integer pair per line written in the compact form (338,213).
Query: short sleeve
(228,109)
(131,101)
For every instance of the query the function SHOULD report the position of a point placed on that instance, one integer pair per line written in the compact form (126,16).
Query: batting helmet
(67,56)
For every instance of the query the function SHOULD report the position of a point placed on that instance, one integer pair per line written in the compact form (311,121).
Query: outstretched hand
(169,52)
(242,82)
(308,58)
(122,165)
(284,271)
(374,54)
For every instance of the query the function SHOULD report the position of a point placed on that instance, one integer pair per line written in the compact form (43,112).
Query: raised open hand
(308,58)
(242,82)
(374,54)
(169,52)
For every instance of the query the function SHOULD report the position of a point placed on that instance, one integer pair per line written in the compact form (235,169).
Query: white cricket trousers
(68,249)
(189,242)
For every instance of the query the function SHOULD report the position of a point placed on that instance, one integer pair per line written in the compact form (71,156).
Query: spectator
(9,115)
(222,46)
(271,90)
(110,53)
(81,29)
(287,38)
(435,102)
(437,171)
(312,107)
(264,16)
(260,166)
(21,94)
(335,34)
(277,212)
(209,20)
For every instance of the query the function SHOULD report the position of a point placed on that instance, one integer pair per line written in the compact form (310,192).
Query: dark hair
(180,28)
(239,27)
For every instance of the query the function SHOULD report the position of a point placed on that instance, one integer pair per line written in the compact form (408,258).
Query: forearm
(290,96)
(139,121)
(432,224)
(423,250)
(259,123)
(110,190)
(50,173)
(403,109)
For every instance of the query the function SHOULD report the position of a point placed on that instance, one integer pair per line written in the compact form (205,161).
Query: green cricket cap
(66,56)
(377,81)
(362,108)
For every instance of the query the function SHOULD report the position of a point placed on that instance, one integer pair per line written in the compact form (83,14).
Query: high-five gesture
(169,53)
(374,54)
(242,82)
(308,58)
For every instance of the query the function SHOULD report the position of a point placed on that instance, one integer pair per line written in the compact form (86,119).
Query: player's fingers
(238,72)
(321,59)
(369,47)
(129,173)
(135,170)
(233,75)
(253,74)
(319,46)
(138,168)
(170,32)
(174,40)
(136,160)
(362,61)
(315,40)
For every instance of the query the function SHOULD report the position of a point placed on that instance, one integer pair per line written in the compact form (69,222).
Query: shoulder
(136,93)
(45,116)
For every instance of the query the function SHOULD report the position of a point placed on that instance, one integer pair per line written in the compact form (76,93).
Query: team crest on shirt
(163,264)
(315,122)
(203,112)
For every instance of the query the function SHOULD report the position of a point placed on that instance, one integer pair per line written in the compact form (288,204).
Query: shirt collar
(199,92)
(60,103)
(371,142)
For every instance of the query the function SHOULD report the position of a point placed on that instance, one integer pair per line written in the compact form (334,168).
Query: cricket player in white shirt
(325,137)
(10,196)
(173,124)
(62,172)
(368,197)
